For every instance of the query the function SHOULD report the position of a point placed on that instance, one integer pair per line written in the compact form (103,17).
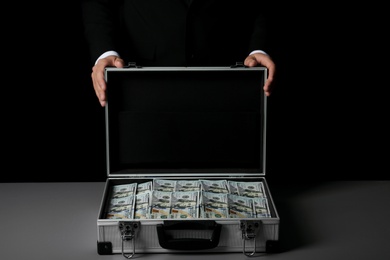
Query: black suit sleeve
(101,21)
(171,32)
(251,18)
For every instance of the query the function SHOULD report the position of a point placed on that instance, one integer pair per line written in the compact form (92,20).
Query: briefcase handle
(167,241)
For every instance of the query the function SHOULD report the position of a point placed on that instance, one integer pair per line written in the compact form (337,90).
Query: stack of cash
(173,199)
(233,199)
(175,204)
(121,205)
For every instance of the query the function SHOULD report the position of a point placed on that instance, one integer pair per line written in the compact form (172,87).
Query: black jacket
(175,32)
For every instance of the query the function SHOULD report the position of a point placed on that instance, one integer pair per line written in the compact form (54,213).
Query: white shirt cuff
(258,51)
(107,53)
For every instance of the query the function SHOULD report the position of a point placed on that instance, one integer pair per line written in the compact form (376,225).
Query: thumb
(250,61)
(119,63)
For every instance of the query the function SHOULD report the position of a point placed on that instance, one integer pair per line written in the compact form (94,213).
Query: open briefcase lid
(185,121)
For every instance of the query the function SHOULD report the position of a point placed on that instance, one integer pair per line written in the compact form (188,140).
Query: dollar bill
(185,204)
(240,206)
(160,204)
(144,187)
(251,189)
(261,208)
(142,205)
(216,186)
(123,190)
(187,185)
(121,208)
(233,187)
(164,185)
(214,205)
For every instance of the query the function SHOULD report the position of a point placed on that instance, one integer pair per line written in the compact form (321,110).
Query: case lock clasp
(129,232)
(239,64)
(249,229)
(132,64)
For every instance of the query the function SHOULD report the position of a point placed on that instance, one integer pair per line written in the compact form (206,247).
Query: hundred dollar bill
(214,205)
(232,187)
(261,208)
(251,189)
(216,186)
(160,204)
(144,187)
(121,208)
(142,205)
(119,215)
(187,185)
(240,206)
(123,190)
(164,185)
(185,204)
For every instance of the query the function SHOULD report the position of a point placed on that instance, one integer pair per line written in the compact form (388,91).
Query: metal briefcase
(167,126)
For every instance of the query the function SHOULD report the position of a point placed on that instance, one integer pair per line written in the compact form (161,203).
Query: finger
(100,94)
(119,63)
(95,85)
(267,87)
(99,82)
(270,78)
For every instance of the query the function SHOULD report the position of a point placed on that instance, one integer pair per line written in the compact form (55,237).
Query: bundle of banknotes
(188,199)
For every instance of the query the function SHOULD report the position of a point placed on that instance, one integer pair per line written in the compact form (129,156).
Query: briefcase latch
(132,64)
(239,64)
(249,229)
(129,232)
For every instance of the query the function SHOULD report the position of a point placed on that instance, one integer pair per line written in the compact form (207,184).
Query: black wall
(325,114)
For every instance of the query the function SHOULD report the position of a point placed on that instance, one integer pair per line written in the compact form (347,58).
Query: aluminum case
(186,123)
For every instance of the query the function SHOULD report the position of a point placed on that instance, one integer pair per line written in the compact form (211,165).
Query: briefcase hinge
(249,229)
(129,230)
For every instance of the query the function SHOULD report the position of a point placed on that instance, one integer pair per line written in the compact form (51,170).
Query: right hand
(266,61)
(99,83)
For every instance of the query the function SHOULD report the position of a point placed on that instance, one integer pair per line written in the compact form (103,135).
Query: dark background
(327,114)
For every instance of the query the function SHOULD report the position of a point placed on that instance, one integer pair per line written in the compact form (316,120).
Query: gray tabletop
(326,220)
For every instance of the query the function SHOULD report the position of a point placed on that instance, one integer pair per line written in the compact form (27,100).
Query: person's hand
(99,83)
(266,61)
